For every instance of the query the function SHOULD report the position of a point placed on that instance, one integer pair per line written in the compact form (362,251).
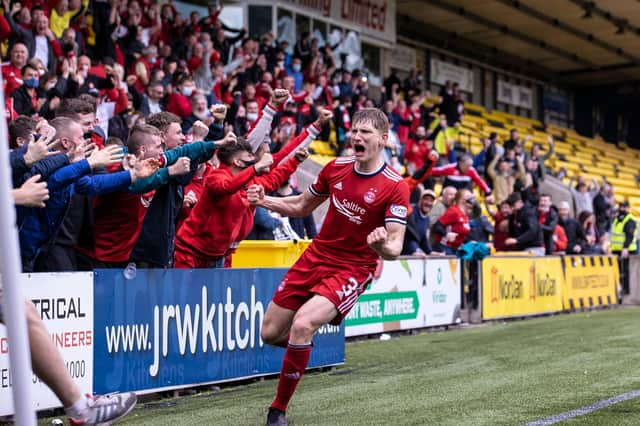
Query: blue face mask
(32,83)
(296,68)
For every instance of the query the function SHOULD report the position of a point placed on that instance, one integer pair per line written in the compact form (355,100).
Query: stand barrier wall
(170,329)
(406,294)
(163,329)
(524,286)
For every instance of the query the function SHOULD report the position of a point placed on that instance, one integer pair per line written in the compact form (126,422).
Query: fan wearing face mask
(179,101)
(222,217)
(29,99)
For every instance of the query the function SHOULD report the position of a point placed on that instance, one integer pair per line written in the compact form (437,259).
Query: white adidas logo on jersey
(338,186)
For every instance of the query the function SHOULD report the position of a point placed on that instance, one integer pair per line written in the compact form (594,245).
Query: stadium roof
(577,42)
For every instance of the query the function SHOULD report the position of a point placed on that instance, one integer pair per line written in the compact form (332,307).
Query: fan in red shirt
(366,219)
(223,215)
(179,101)
(452,228)
(501,229)
(418,149)
(12,70)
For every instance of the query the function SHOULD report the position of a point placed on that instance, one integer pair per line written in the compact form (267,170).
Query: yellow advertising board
(590,281)
(521,286)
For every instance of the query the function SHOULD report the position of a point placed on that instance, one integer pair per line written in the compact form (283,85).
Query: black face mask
(87,135)
(621,214)
(248,164)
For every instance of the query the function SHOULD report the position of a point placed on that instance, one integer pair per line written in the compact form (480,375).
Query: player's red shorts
(341,284)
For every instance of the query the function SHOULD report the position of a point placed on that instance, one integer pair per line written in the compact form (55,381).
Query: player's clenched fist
(377,237)
(229,139)
(263,164)
(255,194)
(182,166)
(199,131)
(279,97)
(301,154)
(219,112)
(324,115)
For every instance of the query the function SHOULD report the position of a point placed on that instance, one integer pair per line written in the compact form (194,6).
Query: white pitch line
(557,418)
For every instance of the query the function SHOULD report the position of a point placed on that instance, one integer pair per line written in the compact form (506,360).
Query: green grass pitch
(497,374)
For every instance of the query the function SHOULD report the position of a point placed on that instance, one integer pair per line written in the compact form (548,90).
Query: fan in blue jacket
(38,227)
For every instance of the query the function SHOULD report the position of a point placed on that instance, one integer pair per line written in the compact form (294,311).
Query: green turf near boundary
(624,414)
(499,374)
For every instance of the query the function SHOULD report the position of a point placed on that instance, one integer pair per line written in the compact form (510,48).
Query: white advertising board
(408,294)
(65,303)
(443,291)
(442,71)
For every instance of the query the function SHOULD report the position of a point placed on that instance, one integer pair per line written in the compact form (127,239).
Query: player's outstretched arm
(387,240)
(297,206)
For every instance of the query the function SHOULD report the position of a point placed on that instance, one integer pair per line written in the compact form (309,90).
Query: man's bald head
(448,195)
(19,55)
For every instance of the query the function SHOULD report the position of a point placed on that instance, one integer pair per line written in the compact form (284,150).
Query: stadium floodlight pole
(13,306)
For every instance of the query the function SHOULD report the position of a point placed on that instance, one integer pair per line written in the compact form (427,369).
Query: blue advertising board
(174,328)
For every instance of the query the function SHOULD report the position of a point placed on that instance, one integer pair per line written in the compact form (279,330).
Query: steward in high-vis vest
(623,238)
(623,241)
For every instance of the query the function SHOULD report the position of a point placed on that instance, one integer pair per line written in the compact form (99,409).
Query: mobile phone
(125,150)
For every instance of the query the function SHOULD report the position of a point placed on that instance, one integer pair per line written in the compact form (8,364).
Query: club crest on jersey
(370,196)
(397,210)
(351,210)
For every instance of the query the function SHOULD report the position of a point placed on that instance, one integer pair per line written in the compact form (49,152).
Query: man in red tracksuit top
(462,175)
(223,215)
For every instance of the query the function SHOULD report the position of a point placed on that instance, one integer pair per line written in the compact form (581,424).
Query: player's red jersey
(358,203)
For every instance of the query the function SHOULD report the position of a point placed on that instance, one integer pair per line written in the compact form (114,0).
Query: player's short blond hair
(377,118)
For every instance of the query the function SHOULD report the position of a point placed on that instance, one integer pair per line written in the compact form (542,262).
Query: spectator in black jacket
(576,238)
(155,245)
(524,230)
(28,99)
(548,220)
(603,208)
(154,100)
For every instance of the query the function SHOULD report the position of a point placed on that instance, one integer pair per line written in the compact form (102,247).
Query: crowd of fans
(116,109)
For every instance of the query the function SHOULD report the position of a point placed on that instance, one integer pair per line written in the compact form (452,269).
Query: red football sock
(295,362)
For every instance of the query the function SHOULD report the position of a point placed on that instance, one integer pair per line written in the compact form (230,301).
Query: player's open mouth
(358,148)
